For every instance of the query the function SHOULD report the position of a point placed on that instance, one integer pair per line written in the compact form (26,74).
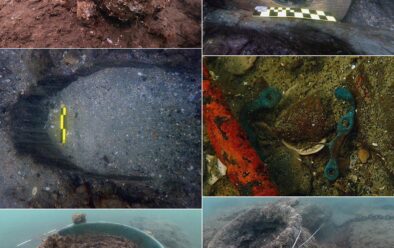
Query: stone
(70,58)
(363,155)
(34,191)
(79,218)
(86,10)
(216,169)
(128,10)
(238,65)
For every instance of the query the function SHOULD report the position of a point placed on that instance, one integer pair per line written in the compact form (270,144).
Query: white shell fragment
(216,169)
(307,151)
(34,191)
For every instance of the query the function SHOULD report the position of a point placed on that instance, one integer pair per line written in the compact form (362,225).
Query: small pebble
(363,155)
(354,178)
(110,41)
(34,191)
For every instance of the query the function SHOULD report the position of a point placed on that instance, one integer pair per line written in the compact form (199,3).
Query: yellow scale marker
(63,129)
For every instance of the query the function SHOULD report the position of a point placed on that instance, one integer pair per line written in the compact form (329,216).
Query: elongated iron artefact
(245,169)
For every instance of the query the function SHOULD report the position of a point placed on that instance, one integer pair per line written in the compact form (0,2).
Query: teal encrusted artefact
(344,126)
(267,99)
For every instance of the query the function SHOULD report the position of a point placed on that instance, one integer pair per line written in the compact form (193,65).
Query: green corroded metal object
(267,99)
(344,126)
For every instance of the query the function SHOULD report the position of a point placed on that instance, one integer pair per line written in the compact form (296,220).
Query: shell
(216,169)
(363,155)
(307,151)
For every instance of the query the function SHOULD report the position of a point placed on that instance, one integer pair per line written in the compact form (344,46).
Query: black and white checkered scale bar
(300,13)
